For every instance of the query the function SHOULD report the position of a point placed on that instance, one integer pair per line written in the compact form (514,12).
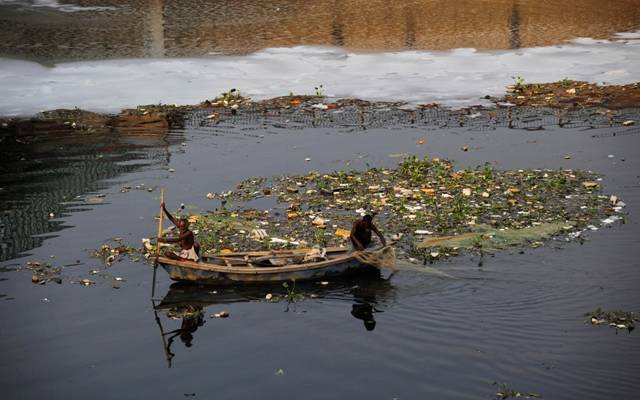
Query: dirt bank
(523,101)
(568,94)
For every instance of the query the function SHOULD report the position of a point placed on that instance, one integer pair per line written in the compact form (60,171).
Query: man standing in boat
(190,248)
(361,233)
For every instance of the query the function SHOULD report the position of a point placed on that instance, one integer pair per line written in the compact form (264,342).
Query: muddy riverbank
(529,106)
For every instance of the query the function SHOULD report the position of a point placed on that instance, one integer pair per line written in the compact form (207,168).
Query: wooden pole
(155,263)
(167,353)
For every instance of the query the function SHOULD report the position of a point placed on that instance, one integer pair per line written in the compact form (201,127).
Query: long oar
(155,263)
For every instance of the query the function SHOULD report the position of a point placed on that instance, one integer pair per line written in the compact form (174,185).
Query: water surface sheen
(517,319)
(53,31)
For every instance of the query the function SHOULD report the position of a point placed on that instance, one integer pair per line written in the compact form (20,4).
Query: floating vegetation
(506,392)
(618,319)
(429,208)
(230,98)
(113,252)
(292,296)
(44,272)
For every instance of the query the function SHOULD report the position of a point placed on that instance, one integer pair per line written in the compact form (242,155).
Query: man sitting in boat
(361,233)
(190,248)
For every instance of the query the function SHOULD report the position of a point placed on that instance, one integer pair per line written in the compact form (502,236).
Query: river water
(518,319)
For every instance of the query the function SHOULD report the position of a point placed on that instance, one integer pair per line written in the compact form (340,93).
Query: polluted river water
(455,329)
(518,319)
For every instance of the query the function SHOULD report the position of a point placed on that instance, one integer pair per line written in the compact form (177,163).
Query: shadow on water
(368,294)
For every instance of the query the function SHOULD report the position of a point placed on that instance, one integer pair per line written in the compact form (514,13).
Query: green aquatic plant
(291,296)
(518,81)
(319,237)
(230,96)
(507,392)
(566,82)
(487,172)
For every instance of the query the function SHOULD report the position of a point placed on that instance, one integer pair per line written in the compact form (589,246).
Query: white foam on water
(454,78)
(53,4)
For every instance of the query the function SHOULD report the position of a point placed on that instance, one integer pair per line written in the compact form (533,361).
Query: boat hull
(215,276)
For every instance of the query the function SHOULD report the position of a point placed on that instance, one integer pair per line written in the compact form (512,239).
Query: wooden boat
(263,266)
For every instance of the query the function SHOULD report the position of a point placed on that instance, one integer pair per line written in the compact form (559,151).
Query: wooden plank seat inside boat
(269,258)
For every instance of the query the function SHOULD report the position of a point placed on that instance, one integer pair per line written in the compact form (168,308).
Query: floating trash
(489,209)
(617,318)
(221,314)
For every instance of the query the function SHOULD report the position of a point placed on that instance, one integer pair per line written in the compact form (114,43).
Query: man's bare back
(361,233)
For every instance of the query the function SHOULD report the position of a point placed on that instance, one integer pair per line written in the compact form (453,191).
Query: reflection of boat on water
(267,266)
(188,302)
(369,287)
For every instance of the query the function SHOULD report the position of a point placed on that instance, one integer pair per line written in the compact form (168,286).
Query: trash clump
(570,94)
(430,209)
(507,392)
(618,319)
(110,253)
(44,272)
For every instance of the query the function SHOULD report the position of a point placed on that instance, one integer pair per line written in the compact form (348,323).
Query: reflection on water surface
(192,305)
(44,177)
(156,28)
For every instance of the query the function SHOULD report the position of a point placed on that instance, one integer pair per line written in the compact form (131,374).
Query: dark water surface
(54,31)
(518,319)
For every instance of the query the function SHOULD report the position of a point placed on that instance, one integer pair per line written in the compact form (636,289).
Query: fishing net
(386,258)
(490,239)
(383,258)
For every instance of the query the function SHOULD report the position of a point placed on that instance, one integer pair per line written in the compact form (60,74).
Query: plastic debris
(343,233)
(610,220)
(259,234)
(616,318)
(320,222)
(221,314)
